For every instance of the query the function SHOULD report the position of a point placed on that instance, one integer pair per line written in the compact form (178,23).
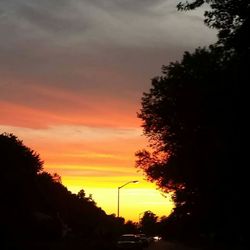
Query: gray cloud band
(95,47)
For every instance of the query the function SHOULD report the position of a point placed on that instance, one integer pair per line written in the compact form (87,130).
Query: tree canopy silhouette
(191,118)
(148,223)
(188,120)
(230,17)
(17,158)
(35,206)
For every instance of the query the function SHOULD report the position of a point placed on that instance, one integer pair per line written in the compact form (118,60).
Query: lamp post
(118,200)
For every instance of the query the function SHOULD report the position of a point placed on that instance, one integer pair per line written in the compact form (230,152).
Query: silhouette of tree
(82,196)
(17,158)
(230,17)
(130,227)
(19,168)
(190,120)
(35,206)
(148,223)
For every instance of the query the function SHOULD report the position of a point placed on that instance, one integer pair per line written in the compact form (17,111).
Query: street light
(118,205)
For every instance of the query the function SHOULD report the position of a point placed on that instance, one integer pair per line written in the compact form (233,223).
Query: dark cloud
(91,47)
(46,16)
(130,5)
(126,22)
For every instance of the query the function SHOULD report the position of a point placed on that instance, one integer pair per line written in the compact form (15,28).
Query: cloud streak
(72,75)
(54,53)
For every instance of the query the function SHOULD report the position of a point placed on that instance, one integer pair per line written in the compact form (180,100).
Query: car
(129,241)
(157,238)
(144,239)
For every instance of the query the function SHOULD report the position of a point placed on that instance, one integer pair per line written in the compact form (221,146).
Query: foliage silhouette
(37,209)
(130,227)
(191,118)
(230,17)
(148,223)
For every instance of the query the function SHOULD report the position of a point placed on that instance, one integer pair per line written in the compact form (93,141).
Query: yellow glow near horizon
(134,198)
(98,160)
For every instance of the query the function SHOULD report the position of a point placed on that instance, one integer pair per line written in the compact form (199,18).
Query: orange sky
(72,77)
(98,160)
(90,141)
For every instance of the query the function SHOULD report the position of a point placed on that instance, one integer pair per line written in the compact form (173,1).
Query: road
(164,245)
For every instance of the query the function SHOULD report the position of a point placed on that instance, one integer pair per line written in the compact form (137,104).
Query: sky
(72,76)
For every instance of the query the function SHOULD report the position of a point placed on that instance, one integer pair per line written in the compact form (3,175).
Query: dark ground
(95,244)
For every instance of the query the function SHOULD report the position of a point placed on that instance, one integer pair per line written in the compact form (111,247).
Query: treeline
(36,208)
(194,116)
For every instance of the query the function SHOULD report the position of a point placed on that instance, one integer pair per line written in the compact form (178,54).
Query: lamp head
(135,181)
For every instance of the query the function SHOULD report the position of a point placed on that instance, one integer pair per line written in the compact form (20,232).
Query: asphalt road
(164,245)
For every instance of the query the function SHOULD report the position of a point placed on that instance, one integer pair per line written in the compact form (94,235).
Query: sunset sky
(72,75)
